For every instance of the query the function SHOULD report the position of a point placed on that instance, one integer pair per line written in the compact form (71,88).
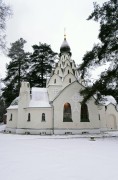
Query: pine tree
(42,60)
(106,51)
(2,108)
(16,70)
(5,12)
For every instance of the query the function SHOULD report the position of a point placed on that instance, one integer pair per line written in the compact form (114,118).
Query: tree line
(33,67)
(24,66)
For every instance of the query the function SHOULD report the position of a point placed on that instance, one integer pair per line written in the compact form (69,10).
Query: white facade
(57,109)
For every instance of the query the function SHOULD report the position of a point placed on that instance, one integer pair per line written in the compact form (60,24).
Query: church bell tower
(65,71)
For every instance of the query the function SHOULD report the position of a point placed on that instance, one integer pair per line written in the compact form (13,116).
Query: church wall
(35,125)
(68,68)
(36,118)
(57,78)
(108,117)
(112,117)
(24,99)
(66,80)
(12,123)
(58,69)
(53,91)
(102,118)
(67,96)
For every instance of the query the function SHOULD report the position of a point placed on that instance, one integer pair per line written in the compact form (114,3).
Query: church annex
(57,109)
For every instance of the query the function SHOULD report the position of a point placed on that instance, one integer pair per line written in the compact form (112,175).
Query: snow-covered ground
(29,157)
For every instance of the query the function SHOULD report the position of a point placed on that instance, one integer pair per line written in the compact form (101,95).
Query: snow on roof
(13,107)
(39,98)
(109,100)
(15,101)
(14,104)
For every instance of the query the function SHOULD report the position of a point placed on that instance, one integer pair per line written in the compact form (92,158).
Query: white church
(57,109)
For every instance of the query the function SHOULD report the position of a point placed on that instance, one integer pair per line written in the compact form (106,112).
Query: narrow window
(29,117)
(58,72)
(69,80)
(67,116)
(68,71)
(43,116)
(105,108)
(54,81)
(11,117)
(84,113)
(99,116)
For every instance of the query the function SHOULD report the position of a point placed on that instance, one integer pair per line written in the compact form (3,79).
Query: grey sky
(44,21)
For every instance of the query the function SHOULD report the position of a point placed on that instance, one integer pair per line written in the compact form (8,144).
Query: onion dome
(65,48)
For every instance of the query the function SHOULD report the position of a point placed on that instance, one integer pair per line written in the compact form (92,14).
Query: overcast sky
(44,21)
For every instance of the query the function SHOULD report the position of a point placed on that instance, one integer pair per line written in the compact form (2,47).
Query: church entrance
(111,122)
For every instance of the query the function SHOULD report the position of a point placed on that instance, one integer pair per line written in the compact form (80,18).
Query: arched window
(69,80)
(43,116)
(67,116)
(68,71)
(29,117)
(84,113)
(54,81)
(11,117)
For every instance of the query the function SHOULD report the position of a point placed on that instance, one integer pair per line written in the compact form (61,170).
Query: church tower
(65,71)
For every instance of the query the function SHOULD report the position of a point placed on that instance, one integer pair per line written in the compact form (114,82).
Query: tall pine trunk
(19,75)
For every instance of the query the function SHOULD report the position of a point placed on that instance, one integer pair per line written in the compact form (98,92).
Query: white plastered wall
(102,116)
(12,123)
(67,96)
(24,99)
(52,80)
(53,90)
(36,118)
(60,71)
(66,79)
(68,68)
(111,117)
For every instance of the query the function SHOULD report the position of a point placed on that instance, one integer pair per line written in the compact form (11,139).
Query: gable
(69,78)
(70,90)
(55,80)
(67,70)
(58,71)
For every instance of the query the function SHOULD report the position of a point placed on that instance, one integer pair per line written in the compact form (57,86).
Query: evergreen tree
(2,108)
(106,51)
(5,11)
(16,70)
(42,60)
